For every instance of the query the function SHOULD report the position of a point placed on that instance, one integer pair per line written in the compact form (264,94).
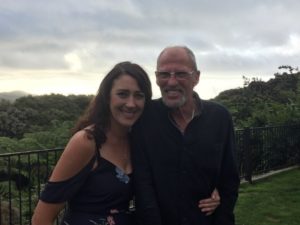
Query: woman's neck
(116,135)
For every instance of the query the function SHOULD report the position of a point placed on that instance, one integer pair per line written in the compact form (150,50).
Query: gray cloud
(245,36)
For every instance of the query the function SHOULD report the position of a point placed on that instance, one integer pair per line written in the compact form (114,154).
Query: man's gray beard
(177,105)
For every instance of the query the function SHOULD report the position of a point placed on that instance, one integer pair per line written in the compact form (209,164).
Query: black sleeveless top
(94,196)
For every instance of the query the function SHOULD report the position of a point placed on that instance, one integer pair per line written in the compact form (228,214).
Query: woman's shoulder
(79,151)
(81,144)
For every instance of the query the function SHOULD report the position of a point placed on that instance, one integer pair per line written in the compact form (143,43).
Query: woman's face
(126,101)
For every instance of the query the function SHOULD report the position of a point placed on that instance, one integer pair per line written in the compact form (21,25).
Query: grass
(272,201)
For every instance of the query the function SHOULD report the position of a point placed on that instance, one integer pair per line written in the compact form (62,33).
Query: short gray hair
(189,52)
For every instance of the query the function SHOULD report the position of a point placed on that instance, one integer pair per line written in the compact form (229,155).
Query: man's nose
(172,80)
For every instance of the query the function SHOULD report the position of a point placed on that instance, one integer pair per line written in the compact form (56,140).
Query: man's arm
(147,210)
(228,182)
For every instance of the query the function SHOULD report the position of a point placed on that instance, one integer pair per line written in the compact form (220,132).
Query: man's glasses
(180,75)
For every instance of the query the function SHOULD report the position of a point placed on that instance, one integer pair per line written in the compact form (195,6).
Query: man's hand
(209,205)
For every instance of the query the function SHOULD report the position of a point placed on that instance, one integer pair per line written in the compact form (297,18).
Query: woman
(93,172)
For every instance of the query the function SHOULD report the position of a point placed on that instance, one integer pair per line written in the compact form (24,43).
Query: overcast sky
(67,46)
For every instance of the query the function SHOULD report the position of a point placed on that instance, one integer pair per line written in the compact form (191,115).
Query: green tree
(259,103)
(8,145)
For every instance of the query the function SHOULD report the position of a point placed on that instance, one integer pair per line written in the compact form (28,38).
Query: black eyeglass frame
(179,75)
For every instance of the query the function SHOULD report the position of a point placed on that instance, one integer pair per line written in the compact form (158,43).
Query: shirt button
(184,221)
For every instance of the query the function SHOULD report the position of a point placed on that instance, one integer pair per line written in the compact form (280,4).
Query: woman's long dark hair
(98,113)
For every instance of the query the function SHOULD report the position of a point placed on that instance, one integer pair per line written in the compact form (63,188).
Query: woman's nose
(130,102)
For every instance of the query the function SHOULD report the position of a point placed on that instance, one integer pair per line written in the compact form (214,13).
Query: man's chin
(173,103)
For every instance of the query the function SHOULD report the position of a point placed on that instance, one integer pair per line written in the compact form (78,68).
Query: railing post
(0,210)
(247,155)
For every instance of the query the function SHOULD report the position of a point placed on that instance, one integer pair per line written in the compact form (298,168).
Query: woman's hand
(209,205)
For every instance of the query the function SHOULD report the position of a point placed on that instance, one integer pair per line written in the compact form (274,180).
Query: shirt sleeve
(228,182)
(147,210)
(62,191)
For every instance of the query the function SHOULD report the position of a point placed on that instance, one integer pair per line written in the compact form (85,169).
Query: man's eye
(164,74)
(181,74)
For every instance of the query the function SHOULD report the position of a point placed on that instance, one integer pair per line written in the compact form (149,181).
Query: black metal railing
(23,174)
(262,149)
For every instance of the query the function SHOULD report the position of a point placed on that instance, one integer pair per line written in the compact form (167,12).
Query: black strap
(98,145)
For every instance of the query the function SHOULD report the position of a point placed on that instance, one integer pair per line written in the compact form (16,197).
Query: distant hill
(12,95)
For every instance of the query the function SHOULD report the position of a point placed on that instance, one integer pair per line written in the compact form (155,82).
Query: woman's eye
(122,94)
(140,95)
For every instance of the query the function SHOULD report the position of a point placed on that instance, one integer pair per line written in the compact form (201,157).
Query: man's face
(176,90)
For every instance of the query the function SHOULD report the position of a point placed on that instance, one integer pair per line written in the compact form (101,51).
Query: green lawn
(273,200)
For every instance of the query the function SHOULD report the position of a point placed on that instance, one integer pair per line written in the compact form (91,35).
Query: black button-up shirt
(174,170)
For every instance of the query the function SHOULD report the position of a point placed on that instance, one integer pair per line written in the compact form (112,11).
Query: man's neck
(184,114)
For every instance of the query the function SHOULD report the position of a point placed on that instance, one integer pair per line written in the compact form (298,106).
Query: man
(183,148)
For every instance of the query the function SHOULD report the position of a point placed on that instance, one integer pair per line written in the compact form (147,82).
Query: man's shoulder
(152,108)
(155,105)
(156,102)
(211,103)
(212,106)
(151,116)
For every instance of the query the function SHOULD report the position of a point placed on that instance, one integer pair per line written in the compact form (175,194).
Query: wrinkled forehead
(174,58)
